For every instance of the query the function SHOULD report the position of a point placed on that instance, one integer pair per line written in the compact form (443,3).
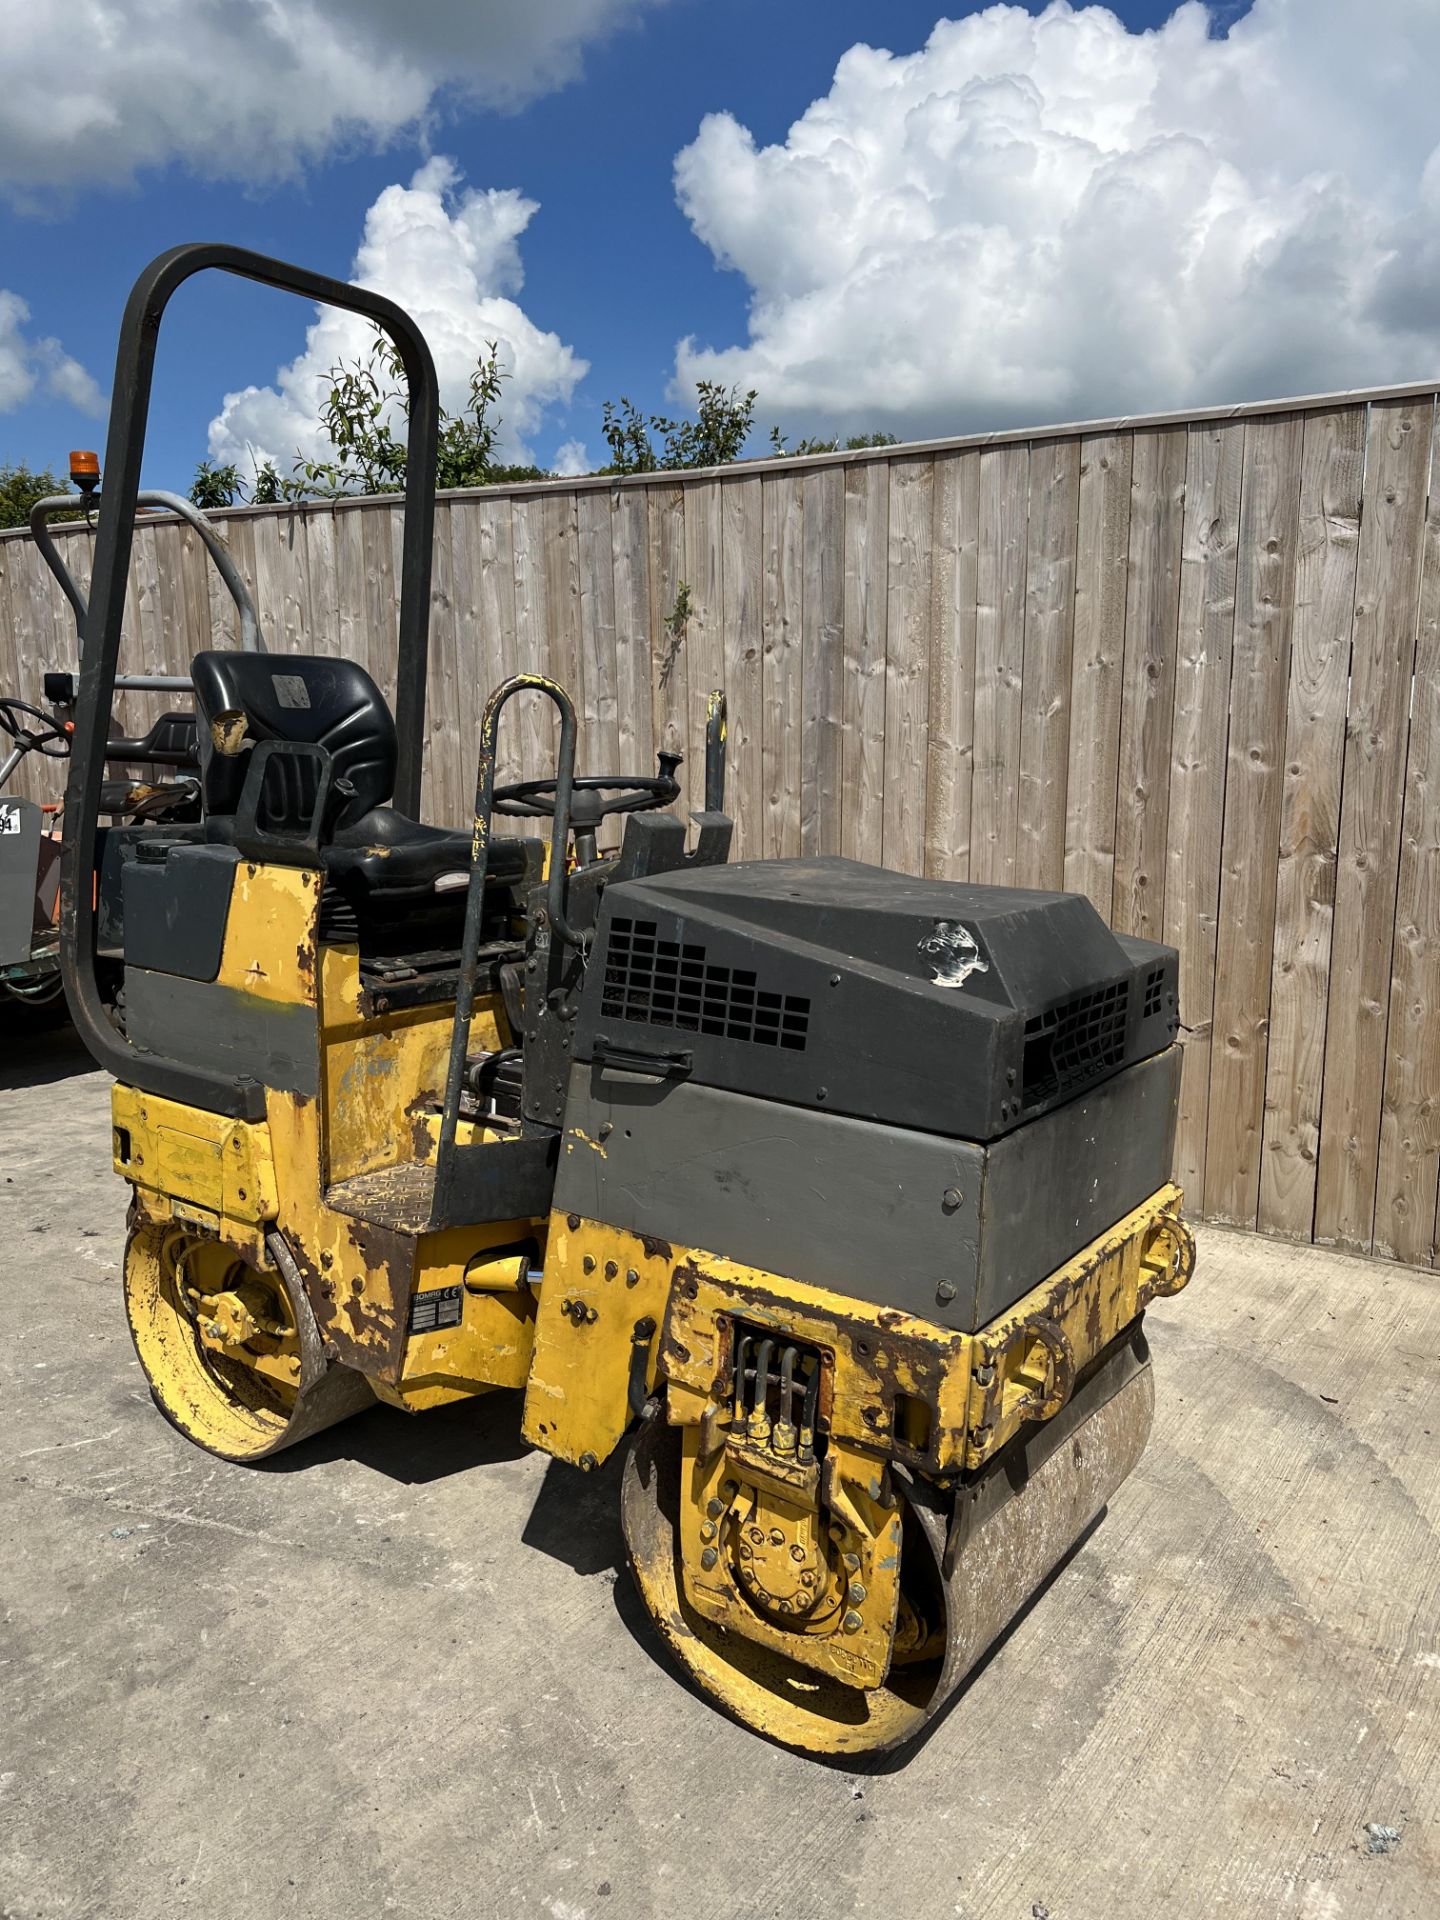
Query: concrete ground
(402,1671)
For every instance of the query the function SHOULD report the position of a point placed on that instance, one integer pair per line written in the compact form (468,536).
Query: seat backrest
(292,696)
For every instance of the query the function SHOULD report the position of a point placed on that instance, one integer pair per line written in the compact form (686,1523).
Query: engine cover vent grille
(1076,1042)
(671,983)
(1154,992)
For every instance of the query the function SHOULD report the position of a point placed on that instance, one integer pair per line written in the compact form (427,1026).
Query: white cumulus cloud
(28,365)
(253,89)
(1042,217)
(450,255)
(570,459)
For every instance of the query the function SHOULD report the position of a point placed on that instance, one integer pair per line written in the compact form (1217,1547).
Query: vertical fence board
(741,531)
(1147,700)
(1102,560)
(999,662)
(1409,1171)
(1049,645)
(907,650)
(1331,467)
(561,567)
(1387,587)
(867,546)
(600,728)
(705,629)
(950,730)
(532,646)
(782,544)
(822,801)
(1264,588)
(488,648)
(629,533)
(1198,741)
(670,702)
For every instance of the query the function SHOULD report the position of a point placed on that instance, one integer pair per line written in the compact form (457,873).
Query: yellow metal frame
(894,1377)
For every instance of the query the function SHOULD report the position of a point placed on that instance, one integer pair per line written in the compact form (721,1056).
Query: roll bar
(43,511)
(100,640)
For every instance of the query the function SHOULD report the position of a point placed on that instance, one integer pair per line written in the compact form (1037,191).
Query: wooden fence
(1188,666)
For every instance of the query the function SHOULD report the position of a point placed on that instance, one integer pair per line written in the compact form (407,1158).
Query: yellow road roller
(834,1195)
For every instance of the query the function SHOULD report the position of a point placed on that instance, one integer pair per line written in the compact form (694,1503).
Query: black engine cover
(963,1010)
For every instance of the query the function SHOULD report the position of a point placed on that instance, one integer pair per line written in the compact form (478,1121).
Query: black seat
(371,852)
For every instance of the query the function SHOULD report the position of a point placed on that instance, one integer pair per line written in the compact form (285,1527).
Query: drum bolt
(745,1550)
(856,1595)
(852,1562)
(611,1269)
(807,1578)
(797,1553)
(714,1508)
(708,1558)
(757,1534)
(707,1531)
(852,1623)
(588,1263)
(782,1606)
(777,1538)
(632,1278)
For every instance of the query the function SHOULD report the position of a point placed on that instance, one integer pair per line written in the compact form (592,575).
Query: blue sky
(618,271)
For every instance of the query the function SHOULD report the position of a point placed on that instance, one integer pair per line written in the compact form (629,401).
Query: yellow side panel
(224,1166)
(379,1082)
(270,935)
(600,1282)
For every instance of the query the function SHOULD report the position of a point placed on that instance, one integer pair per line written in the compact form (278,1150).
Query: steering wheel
(50,739)
(595,795)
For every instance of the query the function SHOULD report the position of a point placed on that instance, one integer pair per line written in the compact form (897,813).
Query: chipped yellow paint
(888,1366)
(817,1580)
(269,949)
(1024,1363)
(215,1336)
(600,1282)
(577,1137)
(490,1348)
(203,1159)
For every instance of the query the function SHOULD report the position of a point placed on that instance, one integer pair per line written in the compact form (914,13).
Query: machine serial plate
(437,1307)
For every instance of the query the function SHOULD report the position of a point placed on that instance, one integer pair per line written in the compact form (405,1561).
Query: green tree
(269,488)
(364,417)
(854,444)
(714,438)
(22,486)
(215,486)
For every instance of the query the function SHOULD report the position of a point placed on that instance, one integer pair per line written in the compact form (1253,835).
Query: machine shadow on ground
(39,1058)
(416,1450)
